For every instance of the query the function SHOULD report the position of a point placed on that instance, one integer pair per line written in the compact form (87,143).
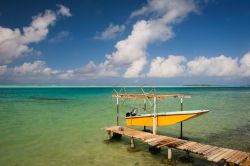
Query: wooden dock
(211,153)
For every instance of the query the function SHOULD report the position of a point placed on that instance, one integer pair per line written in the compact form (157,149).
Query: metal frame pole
(155,118)
(117,111)
(181,122)
(145,108)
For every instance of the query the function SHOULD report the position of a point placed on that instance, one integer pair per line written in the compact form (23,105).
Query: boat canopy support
(159,96)
(181,132)
(155,118)
(147,97)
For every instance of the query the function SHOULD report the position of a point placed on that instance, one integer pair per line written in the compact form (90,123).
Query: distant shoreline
(201,85)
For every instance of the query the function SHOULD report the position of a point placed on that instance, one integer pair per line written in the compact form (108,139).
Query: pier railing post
(155,118)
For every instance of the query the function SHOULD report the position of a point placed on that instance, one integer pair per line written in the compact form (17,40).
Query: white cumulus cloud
(216,66)
(131,52)
(36,69)
(213,66)
(14,43)
(40,70)
(160,67)
(91,70)
(245,65)
(170,66)
(110,32)
(3,69)
(63,10)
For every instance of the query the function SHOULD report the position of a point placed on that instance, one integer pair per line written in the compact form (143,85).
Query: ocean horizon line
(121,86)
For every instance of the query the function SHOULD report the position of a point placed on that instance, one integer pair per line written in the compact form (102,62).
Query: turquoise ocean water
(63,126)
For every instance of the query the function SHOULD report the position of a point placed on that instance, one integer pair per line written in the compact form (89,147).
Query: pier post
(181,135)
(170,155)
(155,118)
(110,135)
(154,149)
(116,136)
(132,143)
(226,163)
(187,158)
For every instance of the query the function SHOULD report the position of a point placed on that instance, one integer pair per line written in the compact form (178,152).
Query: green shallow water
(63,126)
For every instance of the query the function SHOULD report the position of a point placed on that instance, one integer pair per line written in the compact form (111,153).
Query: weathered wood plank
(202,149)
(217,156)
(230,154)
(212,153)
(186,145)
(207,150)
(238,153)
(235,158)
(222,157)
(159,96)
(167,143)
(241,158)
(198,145)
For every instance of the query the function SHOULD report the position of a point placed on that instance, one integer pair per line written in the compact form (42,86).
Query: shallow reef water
(64,126)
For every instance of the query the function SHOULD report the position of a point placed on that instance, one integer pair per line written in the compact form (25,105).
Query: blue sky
(127,42)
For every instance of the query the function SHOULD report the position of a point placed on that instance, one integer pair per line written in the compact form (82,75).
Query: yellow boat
(155,119)
(163,119)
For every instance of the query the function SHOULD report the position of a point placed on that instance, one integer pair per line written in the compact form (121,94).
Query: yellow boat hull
(162,120)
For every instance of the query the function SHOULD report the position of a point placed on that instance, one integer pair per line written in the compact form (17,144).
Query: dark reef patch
(47,98)
(235,138)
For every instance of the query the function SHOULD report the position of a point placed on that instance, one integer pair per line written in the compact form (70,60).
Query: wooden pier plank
(186,145)
(202,149)
(222,157)
(195,147)
(233,159)
(217,156)
(211,153)
(168,143)
(241,158)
